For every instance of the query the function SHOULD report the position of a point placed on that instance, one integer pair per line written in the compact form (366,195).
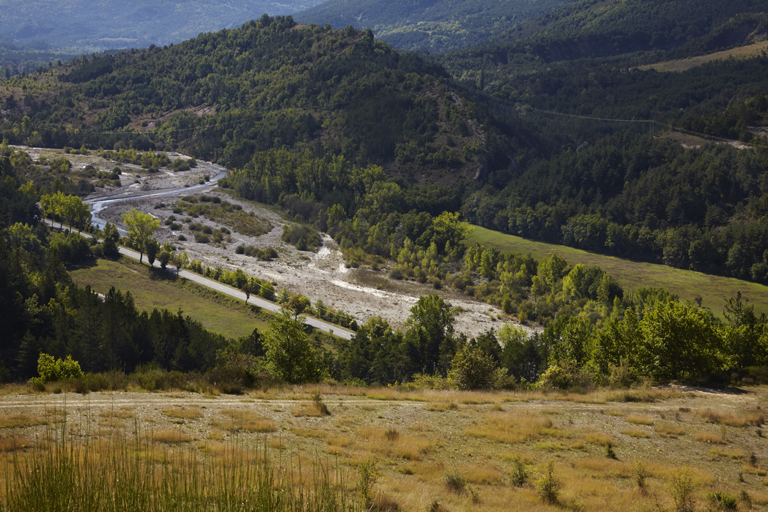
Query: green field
(152,289)
(687,284)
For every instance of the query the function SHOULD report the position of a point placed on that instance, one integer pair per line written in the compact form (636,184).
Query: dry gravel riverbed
(363,293)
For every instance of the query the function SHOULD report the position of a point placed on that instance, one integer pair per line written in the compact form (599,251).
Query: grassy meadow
(687,284)
(680,65)
(152,288)
(391,449)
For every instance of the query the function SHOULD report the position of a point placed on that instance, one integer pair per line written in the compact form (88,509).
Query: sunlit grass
(639,419)
(13,443)
(22,421)
(170,436)
(246,421)
(709,437)
(671,430)
(128,472)
(636,432)
(732,419)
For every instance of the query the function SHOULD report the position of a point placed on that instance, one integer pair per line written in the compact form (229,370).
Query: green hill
(268,85)
(429,25)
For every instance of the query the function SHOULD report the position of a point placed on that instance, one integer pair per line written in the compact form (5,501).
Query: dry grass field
(631,450)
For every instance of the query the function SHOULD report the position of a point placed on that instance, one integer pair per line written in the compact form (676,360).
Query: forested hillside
(429,25)
(609,179)
(594,28)
(270,84)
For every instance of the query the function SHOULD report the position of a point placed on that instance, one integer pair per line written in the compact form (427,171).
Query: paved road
(234,292)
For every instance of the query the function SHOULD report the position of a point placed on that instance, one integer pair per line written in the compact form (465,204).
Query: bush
(682,490)
(471,368)
(519,474)
(303,237)
(548,486)
(202,239)
(455,481)
(51,370)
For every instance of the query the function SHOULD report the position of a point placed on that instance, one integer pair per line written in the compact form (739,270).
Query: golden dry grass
(639,419)
(13,443)
(743,419)
(414,445)
(636,432)
(184,413)
(170,436)
(672,430)
(709,437)
(442,406)
(512,428)
(598,438)
(730,454)
(247,421)
(22,421)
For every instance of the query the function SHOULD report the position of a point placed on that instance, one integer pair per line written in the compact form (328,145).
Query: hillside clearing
(154,289)
(678,66)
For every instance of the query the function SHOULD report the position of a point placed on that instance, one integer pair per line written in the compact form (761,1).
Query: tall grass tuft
(89,475)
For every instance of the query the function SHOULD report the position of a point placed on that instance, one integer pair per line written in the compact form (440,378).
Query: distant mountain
(431,25)
(87,26)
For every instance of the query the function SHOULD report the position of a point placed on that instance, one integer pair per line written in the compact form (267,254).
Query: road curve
(238,294)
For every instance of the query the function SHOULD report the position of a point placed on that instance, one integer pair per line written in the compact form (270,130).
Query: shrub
(722,501)
(682,490)
(202,239)
(519,474)
(471,368)
(455,481)
(548,486)
(640,474)
(368,477)
(51,370)
(317,398)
